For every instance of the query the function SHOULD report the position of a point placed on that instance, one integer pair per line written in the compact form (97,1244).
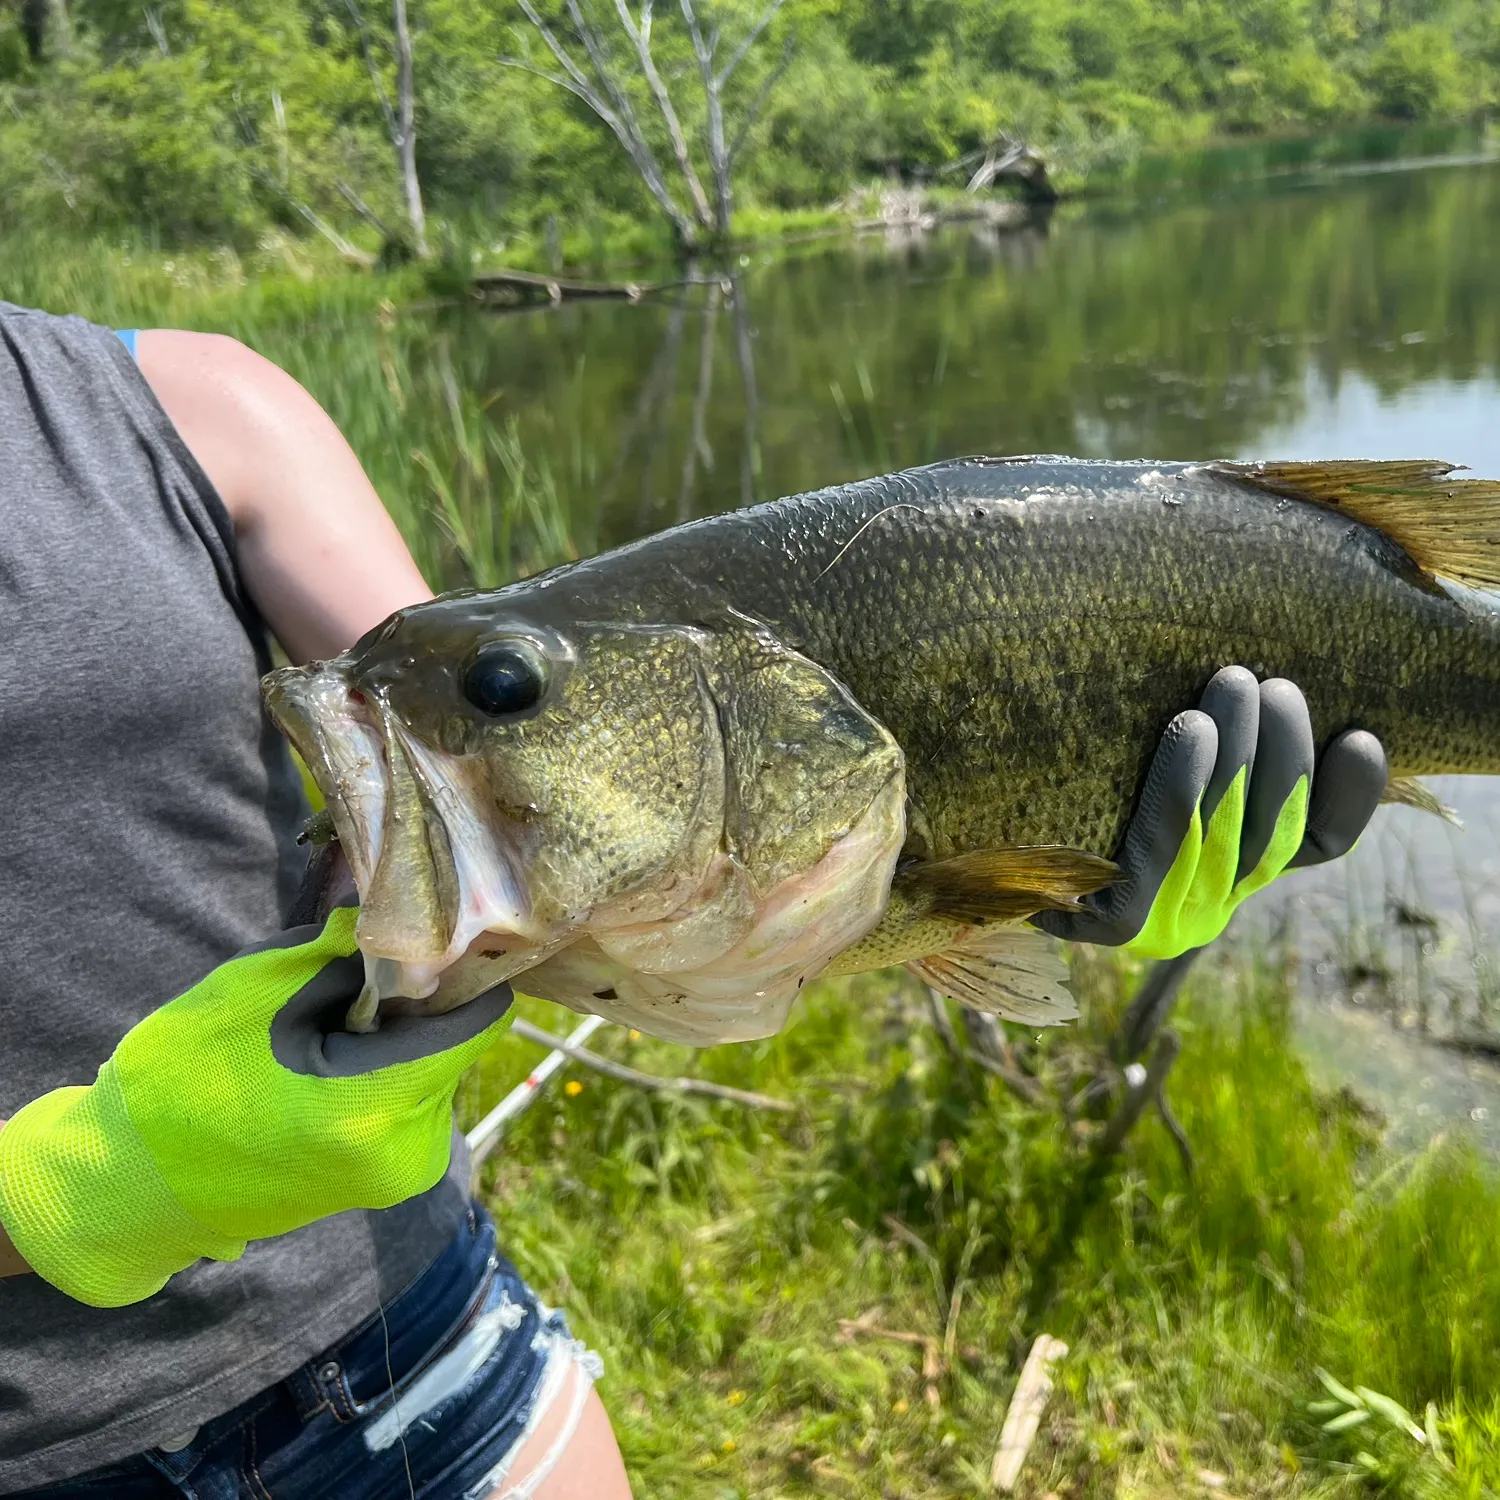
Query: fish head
(500,780)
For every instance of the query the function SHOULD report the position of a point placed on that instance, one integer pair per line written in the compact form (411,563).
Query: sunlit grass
(709,1253)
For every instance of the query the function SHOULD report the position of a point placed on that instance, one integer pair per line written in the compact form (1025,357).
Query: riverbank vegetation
(838,1301)
(395,129)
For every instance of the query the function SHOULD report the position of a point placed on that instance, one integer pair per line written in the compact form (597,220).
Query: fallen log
(533,286)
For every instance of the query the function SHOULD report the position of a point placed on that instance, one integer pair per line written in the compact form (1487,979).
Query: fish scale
(1056,622)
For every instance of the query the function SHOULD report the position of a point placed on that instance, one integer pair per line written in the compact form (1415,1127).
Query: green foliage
(710,1253)
(201,121)
(1417,74)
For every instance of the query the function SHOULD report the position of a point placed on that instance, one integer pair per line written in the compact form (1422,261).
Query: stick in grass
(484,1137)
(652,1081)
(1024,1414)
(1141,1094)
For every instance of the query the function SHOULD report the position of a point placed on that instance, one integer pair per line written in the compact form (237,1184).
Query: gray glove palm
(1230,802)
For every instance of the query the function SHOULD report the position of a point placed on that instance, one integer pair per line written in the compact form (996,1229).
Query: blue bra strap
(127,337)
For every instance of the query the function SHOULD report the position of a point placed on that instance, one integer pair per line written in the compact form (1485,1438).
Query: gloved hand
(237,1111)
(1230,802)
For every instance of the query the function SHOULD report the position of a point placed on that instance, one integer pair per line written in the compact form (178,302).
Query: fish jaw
(489,916)
(341,745)
(439,878)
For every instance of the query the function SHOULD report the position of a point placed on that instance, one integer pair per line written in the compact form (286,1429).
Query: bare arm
(320,556)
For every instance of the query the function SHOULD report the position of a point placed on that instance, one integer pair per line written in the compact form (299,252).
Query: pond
(1343,314)
(1324,316)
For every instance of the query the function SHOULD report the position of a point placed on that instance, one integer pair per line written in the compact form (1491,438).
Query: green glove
(237,1111)
(1230,802)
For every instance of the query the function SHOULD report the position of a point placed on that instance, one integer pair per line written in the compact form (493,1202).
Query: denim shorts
(432,1401)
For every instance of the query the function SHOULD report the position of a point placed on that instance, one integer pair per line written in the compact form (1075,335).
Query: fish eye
(505,678)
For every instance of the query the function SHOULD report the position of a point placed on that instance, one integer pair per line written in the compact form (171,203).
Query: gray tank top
(147,815)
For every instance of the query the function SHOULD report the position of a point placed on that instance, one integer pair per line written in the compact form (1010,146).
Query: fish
(877,724)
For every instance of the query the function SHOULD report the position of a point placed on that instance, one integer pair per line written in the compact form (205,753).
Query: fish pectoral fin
(1449,527)
(1004,885)
(1407,791)
(1014,972)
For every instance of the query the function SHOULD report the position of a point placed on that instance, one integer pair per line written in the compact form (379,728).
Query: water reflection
(1298,317)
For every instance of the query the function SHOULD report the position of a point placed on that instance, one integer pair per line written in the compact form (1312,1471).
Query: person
(253,1274)
(165,511)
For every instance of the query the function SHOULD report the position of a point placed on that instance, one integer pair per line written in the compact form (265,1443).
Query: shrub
(1417,74)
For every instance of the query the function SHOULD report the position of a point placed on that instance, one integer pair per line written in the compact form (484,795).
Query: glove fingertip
(1179,772)
(1347,787)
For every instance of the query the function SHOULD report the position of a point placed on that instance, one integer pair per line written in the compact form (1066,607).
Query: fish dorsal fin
(1407,791)
(1015,972)
(1449,527)
(1004,885)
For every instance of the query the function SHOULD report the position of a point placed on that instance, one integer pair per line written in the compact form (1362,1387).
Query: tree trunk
(44,24)
(718,153)
(406,141)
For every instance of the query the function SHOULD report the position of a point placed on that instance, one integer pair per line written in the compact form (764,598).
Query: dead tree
(601,72)
(722,155)
(400,118)
(1006,159)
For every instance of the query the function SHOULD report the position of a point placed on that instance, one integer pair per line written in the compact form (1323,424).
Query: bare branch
(600,78)
(592,44)
(1018,1083)
(701,50)
(651,1081)
(364,210)
(621,118)
(1141,1094)
(588,96)
(349,251)
(641,36)
(718,156)
(759,102)
(158,29)
(750,40)
(582,87)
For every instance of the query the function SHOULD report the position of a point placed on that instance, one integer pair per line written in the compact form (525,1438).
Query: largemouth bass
(878,723)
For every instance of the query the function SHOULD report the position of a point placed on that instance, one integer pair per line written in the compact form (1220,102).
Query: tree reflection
(1129,331)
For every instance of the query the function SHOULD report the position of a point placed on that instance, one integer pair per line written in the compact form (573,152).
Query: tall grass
(443,449)
(710,1254)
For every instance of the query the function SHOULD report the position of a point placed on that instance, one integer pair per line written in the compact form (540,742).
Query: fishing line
(865,526)
(390,1374)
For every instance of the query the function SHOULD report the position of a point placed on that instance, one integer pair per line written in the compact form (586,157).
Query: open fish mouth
(444,908)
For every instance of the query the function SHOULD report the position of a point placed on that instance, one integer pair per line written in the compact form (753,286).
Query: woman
(162,514)
(239,1322)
